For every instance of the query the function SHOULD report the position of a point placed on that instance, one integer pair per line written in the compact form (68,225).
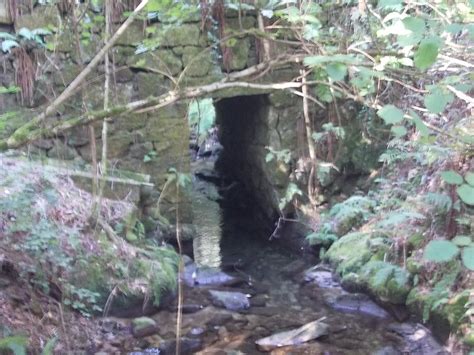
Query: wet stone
(220,319)
(320,277)
(143,326)
(357,303)
(258,301)
(188,346)
(194,276)
(293,268)
(196,331)
(234,301)
(418,340)
(305,333)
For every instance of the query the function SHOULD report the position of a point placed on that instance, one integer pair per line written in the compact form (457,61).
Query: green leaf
(8,45)
(49,347)
(451,177)
(390,4)
(414,24)
(469,177)
(5,35)
(390,114)
(462,240)
(468,258)
(437,100)
(399,131)
(323,59)
(336,71)
(419,124)
(17,344)
(426,54)
(9,90)
(440,251)
(466,194)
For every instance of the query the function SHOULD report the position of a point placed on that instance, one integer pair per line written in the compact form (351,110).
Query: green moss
(350,252)
(142,323)
(196,62)
(162,60)
(387,282)
(415,241)
(455,309)
(184,35)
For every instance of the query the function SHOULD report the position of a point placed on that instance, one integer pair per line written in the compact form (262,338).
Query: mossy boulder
(143,326)
(184,35)
(133,35)
(160,60)
(240,54)
(350,213)
(352,251)
(151,84)
(41,17)
(197,62)
(149,275)
(387,282)
(60,150)
(444,319)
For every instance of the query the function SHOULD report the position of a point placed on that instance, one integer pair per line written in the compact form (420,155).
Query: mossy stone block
(158,61)
(196,61)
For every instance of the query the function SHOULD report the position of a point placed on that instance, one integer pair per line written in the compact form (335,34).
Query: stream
(243,287)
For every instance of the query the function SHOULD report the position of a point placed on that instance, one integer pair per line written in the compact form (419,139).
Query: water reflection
(208,221)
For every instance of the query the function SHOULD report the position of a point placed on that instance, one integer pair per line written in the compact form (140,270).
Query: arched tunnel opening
(243,133)
(231,160)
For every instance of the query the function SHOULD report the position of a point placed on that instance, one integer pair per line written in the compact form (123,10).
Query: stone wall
(148,143)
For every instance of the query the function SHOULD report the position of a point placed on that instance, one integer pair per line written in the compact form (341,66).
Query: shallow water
(273,278)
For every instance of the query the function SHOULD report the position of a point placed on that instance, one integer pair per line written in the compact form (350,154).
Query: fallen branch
(35,130)
(74,85)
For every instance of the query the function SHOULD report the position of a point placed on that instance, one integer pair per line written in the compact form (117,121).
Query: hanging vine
(25,68)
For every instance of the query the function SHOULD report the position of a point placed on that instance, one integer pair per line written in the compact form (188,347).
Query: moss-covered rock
(41,17)
(352,251)
(133,35)
(62,151)
(240,55)
(196,62)
(350,213)
(184,35)
(445,318)
(66,75)
(151,84)
(143,326)
(387,282)
(160,60)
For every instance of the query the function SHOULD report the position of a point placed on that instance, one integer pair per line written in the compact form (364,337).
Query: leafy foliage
(201,117)
(440,251)
(17,344)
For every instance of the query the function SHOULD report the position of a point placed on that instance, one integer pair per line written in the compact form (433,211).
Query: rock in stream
(297,336)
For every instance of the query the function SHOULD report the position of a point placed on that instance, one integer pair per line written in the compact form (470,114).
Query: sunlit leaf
(390,4)
(437,100)
(451,177)
(390,114)
(468,258)
(336,71)
(466,194)
(419,124)
(5,35)
(323,59)
(469,177)
(440,251)
(399,131)
(8,45)
(462,240)
(426,54)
